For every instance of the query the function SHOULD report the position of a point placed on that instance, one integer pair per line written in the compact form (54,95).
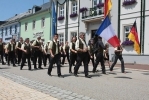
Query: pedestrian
(66,52)
(106,54)
(62,53)
(73,53)
(99,47)
(10,49)
(82,55)
(91,51)
(55,56)
(26,54)
(2,51)
(46,53)
(118,55)
(37,52)
(18,51)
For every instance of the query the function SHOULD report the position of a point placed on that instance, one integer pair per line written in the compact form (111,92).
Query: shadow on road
(4,67)
(145,73)
(123,77)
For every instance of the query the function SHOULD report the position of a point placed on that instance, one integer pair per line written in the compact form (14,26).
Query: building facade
(38,23)
(129,12)
(11,27)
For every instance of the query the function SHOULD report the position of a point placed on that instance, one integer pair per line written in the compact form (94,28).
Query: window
(34,22)
(5,31)
(74,7)
(126,32)
(61,38)
(26,26)
(95,3)
(10,30)
(61,10)
(43,22)
(73,34)
(2,33)
(15,29)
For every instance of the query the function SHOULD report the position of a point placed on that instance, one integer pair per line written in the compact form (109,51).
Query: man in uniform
(82,55)
(73,53)
(66,52)
(26,48)
(37,52)
(46,53)
(55,56)
(118,55)
(11,52)
(2,50)
(99,55)
(19,52)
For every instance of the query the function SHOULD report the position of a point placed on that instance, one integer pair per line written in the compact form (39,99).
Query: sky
(8,8)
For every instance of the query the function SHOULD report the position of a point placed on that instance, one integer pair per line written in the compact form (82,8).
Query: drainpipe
(50,23)
(66,23)
(78,19)
(119,9)
(141,27)
(56,14)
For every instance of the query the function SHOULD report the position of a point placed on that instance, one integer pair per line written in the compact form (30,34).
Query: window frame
(59,37)
(16,29)
(42,19)
(61,11)
(34,24)
(125,33)
(74,7)
(6,31)
(26,26)
(10,30)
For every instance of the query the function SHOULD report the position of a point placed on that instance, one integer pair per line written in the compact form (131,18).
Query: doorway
(93,33)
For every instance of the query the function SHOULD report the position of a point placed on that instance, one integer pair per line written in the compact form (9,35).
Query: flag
(53,19)
(107,7)
(133,36)
(106,31)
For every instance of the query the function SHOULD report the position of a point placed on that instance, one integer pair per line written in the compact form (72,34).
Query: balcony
(92,14)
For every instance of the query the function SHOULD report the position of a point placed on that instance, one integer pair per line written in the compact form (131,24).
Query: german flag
(133,36)
(107,7)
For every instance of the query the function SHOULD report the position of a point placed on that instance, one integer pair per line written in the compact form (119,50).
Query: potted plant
(100,5)
(83,9)
(73,15)
(125,3)
(61,18)
(128,43)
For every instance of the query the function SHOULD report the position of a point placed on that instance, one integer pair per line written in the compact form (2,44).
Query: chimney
(29,10)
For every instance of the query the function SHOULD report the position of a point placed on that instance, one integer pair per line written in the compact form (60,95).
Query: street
(113,86)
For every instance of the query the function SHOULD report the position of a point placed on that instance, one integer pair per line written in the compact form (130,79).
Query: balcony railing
(91,12)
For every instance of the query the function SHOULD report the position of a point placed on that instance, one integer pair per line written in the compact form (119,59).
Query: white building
(89,16)
(130,10)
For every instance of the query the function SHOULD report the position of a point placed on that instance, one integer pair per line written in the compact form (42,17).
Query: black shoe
(60,76)
(103,72)
(49,74)
(40,67)
(20,68)
(14,66)
(8,64)
(70,72)
(35,68)
(76,75)
(87,76)
(3,64)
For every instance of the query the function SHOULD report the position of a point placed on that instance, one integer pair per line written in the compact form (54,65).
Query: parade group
(78,51)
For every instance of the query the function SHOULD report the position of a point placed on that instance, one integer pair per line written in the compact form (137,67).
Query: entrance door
(93,33)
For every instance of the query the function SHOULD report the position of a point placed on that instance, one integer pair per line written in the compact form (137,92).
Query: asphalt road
(134,85)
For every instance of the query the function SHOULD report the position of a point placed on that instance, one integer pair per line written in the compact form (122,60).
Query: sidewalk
(10,90)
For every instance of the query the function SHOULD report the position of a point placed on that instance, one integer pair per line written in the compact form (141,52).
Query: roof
(44,7)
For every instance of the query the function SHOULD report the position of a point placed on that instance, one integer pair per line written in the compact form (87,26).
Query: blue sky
(8,8)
